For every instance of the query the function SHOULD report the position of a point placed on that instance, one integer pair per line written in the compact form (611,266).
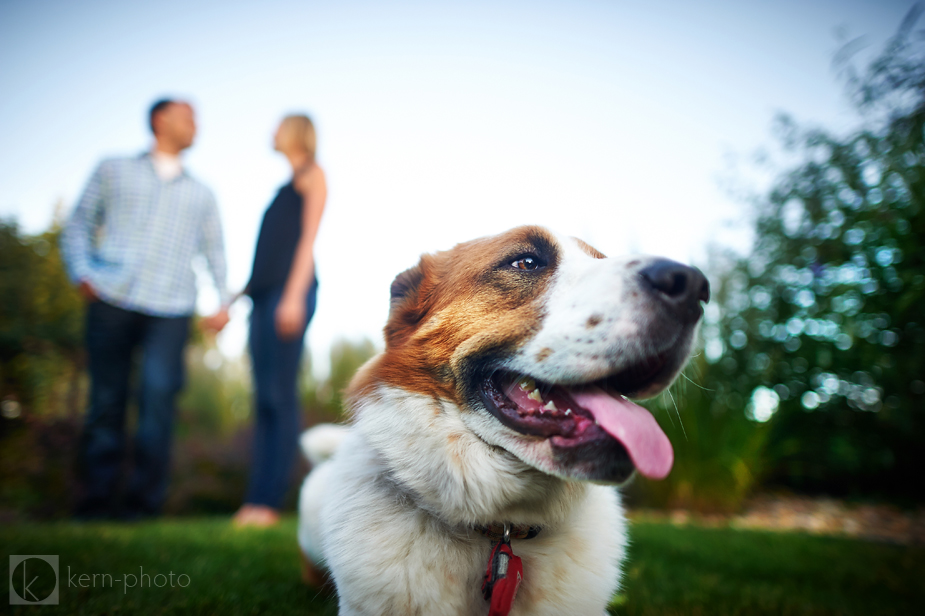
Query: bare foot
(259,516)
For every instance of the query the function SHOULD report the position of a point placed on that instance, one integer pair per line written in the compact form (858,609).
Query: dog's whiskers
(677,412)
(695,384)
(668,412)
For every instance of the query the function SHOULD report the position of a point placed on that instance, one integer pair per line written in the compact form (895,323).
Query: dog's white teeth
(527,384)
(550,406)
(568,411)
(535,395)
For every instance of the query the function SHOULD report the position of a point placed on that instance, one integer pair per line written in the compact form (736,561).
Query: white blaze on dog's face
(536,339)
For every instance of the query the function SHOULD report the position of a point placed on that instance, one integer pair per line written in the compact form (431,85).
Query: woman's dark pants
(275,365)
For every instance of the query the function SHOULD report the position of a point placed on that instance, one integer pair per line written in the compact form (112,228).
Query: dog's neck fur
(430,470)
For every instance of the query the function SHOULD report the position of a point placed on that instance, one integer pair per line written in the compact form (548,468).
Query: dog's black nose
(681,287)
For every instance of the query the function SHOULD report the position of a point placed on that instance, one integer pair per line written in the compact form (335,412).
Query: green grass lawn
(672,570)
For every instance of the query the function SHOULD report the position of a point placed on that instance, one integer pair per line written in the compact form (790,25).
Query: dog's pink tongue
(634,427)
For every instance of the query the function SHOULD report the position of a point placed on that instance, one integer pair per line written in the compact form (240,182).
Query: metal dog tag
(504,574)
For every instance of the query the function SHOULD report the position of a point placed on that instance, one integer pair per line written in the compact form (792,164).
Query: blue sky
(438,121)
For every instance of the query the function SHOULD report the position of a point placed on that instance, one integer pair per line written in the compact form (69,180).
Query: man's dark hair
(156,108)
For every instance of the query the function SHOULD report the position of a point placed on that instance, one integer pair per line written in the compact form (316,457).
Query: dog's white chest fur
(403,541)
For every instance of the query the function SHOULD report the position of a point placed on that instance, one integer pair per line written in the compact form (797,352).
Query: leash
(505,570)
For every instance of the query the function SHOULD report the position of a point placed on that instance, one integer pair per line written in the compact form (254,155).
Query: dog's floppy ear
(406,305)
(405,286)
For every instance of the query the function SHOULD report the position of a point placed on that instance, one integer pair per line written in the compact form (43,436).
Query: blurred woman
(282,287)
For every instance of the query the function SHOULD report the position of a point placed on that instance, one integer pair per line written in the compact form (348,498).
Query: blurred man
(129,245)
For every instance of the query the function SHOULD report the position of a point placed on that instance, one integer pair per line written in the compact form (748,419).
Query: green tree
(824,322)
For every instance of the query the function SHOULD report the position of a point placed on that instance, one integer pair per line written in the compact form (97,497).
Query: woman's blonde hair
(303,132)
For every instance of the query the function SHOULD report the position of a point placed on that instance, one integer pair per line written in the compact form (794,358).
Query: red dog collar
(495,531)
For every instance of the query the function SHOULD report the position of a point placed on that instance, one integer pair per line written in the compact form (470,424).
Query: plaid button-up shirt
(133,237)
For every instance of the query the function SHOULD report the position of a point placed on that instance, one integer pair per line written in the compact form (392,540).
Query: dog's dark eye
(527,263)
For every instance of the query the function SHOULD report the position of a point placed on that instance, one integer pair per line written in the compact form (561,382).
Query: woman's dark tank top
(276,244)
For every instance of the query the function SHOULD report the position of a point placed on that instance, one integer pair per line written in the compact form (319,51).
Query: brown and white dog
(500,399)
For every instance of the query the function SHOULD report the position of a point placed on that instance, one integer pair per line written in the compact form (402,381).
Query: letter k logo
(34,580)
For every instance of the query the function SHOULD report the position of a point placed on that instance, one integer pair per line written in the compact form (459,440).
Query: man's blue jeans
(113,336)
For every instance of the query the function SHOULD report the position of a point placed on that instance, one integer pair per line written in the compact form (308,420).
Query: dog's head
(539,340)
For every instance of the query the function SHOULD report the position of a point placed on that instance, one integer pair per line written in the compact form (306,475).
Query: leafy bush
(41,327)
(323,401)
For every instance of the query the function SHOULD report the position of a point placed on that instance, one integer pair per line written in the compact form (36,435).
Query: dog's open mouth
(576,416)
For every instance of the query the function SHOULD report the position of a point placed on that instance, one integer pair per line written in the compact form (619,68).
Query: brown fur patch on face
(544,353)
(593,321)
(459,307)
(589,249)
